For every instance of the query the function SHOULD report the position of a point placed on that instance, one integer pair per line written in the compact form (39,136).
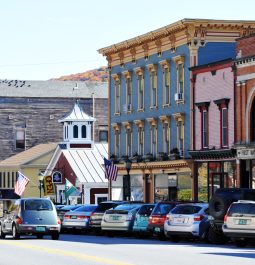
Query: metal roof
(77,114)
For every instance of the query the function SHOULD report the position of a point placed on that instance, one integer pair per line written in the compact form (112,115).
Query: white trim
(248,106)
(245,77)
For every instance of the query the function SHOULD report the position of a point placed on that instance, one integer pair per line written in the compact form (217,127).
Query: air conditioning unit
(178,96)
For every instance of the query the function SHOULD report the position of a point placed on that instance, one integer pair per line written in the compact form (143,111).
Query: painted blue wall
(211,52)
(216,51)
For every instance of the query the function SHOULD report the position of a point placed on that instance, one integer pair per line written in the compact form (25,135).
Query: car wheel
(39,236)
(55,236)
(241,243)
(2,235)
(15,233)
(215,236)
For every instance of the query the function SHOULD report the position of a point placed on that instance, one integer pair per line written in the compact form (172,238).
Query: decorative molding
(127,74)
(116,126)
(179,59)
(127,125)
(152,67)
(116,77)
(165,119)
(152,121)
(178,116)
(139,123)
(139,70)
(165,64)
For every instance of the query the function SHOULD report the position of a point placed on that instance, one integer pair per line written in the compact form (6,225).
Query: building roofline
(170,29)
(209,65)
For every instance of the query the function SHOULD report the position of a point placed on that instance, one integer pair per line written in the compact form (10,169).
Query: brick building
(245,110)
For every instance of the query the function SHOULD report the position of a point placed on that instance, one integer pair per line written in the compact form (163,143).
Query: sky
(44,39)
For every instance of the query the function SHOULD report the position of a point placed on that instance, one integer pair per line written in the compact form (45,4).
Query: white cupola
(77,128)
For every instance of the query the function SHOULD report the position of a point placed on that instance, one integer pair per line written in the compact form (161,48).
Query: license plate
(157,229)
(73,217)
(40,228)
(178,220)
(115,218)
(242,222)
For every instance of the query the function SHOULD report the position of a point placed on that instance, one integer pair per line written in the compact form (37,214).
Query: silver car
(78,219)
(239,222)
(120,218)
(187,220)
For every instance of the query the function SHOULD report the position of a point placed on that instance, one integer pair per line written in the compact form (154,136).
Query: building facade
(151,101)
(245,110)
(213,150)
(29,111)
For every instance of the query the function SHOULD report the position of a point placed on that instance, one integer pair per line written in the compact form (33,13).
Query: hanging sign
(56,177)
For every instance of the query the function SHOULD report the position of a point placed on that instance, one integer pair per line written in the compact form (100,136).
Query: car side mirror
(6,212)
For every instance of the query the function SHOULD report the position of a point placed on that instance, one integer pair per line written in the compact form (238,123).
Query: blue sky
(43,39)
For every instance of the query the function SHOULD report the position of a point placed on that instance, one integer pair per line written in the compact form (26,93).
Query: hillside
(100,74)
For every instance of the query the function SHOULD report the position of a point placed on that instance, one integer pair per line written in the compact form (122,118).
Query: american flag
(21,184)
(111,170)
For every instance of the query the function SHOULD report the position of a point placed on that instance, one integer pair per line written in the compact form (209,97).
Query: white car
(187,220)
(239,222)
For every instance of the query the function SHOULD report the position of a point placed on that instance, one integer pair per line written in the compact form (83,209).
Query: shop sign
(246,153)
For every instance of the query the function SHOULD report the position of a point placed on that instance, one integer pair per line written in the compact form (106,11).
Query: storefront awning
(213,154)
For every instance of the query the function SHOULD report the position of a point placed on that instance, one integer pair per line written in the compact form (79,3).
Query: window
(128,135)
(140,92)
(83,131)
(75,131)
(140,140)
(180,138)
(166,137)
(153,84)
(224,127)
(117,142)
(153,140)
(103,136)
(20,137)
(129,94)
(166,81)
(116,79)
(180,84)
(204,129)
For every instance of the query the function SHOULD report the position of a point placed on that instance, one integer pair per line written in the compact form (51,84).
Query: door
(216,181)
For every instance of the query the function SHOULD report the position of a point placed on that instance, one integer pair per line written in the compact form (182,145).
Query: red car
(158,217)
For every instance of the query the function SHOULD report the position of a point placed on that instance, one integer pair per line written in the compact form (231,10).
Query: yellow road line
(64,253)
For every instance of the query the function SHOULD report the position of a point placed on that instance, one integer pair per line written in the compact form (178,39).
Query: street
(90,250)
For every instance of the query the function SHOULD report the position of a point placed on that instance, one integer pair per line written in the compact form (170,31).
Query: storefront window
(136,183)
(230,169)
(184,186)
(202,182)
(117,188)
(161,187)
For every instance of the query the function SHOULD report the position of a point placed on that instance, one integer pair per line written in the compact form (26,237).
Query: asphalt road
(90,250)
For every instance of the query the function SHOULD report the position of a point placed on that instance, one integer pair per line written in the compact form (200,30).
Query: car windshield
(163,208)
(186,209)
(241,209)
(38,205)
(126,207)
(88,208)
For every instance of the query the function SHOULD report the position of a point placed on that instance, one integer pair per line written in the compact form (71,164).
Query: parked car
(33,216)
(158,217)
(78,219)
(121,218)
(187,220)
(97,215)
(239,222)
(62,210)
(142,219)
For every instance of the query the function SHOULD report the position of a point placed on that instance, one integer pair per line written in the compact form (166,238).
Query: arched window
(83,131)
(75,131)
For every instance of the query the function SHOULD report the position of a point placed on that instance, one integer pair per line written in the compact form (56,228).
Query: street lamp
(40,178)
(126,180)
